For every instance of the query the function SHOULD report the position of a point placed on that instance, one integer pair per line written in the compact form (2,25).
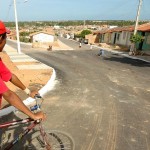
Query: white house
(42,39)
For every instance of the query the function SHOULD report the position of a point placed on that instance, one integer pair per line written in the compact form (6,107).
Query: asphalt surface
(101,102)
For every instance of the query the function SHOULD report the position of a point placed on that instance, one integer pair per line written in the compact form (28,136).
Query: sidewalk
(139,57)
(126,54)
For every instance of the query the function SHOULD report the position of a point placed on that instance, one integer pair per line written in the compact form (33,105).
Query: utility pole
(136,25)
(17,31)
(137,17)
(84,24)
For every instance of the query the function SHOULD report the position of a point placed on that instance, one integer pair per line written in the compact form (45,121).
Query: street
(101,102)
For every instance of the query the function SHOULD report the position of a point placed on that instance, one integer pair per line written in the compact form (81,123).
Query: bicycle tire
(58,141)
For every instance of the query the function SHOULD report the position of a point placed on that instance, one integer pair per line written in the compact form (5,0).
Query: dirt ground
(33,79)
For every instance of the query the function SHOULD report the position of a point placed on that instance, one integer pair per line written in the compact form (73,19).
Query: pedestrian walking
(101,52)
(80,45)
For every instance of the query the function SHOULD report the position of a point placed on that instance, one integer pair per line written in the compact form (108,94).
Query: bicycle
(41,139)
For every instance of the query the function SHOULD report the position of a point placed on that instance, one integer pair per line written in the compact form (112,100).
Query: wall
(146,44)
(125,38)
(42,37)
(92,38)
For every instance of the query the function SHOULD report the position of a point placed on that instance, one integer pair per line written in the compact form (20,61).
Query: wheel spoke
(56,140)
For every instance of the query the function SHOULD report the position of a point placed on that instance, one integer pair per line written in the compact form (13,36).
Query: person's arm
(14,100)
(15,80)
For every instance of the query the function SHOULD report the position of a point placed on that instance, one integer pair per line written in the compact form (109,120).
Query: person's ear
(1,39)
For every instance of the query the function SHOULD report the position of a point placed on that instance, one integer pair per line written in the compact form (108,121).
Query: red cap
(3,29)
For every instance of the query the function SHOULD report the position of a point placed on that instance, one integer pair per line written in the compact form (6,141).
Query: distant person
(49,48)
(91,46)
(80,45)
(101,52)
(6,75)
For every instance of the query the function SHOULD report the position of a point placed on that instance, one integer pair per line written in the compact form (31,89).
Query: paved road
(103,103)
(74,44)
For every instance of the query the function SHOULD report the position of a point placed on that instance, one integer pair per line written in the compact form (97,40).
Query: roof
(144,27)
(116,29)
(35,33)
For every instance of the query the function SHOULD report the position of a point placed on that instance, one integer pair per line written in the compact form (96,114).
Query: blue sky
(47,10)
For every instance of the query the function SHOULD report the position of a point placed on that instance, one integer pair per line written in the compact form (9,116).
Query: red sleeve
(5,73)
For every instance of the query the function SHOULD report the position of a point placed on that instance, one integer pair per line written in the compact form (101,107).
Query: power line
(9,8)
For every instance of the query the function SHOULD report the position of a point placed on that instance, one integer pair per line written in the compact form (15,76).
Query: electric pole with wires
(137,17)
(136,26)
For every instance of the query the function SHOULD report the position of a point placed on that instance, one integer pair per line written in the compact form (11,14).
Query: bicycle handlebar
(36,106)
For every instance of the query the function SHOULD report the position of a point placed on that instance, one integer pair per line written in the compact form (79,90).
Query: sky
(57,10)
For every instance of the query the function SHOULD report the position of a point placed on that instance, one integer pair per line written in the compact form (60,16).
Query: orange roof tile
(144,27)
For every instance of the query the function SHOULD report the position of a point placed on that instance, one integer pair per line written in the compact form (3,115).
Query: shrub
(136,38)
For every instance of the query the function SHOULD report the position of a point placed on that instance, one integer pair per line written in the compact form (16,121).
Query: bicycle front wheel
(56,139)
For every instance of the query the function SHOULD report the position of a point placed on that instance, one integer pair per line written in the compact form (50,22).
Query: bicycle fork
(44,136)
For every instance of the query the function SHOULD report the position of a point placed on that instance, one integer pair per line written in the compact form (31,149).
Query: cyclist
(6,75)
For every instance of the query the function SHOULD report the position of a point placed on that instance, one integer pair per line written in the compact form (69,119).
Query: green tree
(24,33)
(24,39)
(137,38)
(85,32)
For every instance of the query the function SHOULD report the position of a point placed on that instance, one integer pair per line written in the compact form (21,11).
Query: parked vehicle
(85,41)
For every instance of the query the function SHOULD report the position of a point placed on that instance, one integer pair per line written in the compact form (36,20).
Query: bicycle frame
(29,128)
(22,134)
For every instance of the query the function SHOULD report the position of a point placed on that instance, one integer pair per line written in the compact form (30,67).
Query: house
(121,36)
(105,36)
(42,39)
(144,30)
(92,38)
(12,35)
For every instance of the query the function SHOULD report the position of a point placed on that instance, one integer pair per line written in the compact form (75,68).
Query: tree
(137,38)
(85,32)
